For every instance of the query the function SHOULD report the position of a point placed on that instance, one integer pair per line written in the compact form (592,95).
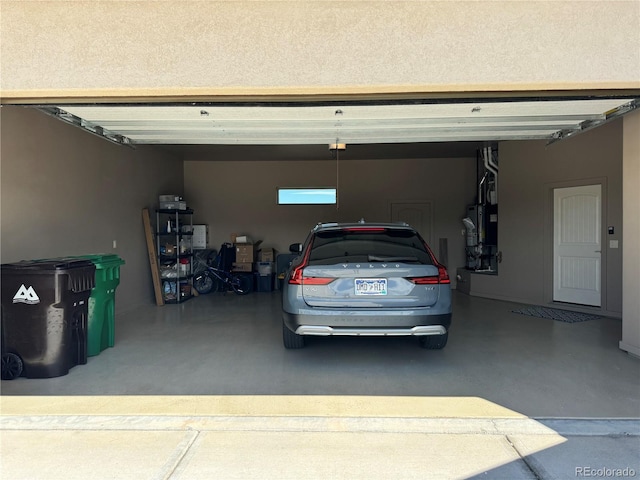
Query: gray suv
(366,279)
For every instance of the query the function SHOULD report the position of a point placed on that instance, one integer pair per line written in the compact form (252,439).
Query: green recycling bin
(102,302)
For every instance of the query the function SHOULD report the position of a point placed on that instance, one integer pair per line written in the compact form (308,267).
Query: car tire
(290,339)
(434,342)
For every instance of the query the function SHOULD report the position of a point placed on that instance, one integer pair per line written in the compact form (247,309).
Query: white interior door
(577,245)
(418,215)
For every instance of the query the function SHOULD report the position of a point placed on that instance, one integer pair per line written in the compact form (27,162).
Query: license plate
(371,286)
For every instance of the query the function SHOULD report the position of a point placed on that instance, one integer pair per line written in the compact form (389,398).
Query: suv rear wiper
(375,258)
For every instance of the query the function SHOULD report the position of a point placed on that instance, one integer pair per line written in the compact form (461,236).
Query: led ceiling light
(337,146)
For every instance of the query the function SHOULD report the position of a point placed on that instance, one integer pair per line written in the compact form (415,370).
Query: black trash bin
(44,316)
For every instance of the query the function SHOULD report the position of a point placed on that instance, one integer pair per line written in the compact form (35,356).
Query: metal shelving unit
(175,253)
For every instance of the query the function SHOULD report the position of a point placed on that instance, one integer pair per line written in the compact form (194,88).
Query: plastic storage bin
(44,316)
(101,329)
(264,283)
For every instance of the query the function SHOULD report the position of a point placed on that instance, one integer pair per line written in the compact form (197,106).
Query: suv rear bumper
(400,325)
(370,332)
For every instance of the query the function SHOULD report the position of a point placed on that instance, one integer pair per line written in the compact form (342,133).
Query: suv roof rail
(362,221)
(325,224)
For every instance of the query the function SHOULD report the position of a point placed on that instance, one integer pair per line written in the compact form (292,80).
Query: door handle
(598,251)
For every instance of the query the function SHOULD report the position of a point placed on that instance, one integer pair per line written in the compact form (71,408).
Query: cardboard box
(242,267)
(240,238)
(266,255)
(244,252)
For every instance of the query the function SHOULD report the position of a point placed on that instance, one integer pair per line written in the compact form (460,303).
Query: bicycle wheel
(205,283)
(241,284)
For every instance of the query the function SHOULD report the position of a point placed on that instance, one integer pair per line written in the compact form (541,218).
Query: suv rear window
(351,245)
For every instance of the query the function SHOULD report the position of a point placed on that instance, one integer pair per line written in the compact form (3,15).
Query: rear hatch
(369,285)
(370,267)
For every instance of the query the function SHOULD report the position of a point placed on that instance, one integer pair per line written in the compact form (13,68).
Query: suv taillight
(424,280)
(296,274)
(442,278)
(364,229)
(317,280)
(298,279)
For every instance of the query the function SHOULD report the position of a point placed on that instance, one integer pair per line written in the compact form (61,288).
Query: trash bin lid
(102,259)
(46,265)
(79,274)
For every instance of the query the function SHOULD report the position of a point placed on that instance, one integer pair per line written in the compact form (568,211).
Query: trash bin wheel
(11,366)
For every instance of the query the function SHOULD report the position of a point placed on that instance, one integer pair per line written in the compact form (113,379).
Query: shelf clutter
(174,247)
(178,249)
(251,257)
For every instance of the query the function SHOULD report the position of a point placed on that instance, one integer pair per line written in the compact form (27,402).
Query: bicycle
(211,279)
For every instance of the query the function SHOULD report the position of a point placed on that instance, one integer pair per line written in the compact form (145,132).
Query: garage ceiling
(484,120)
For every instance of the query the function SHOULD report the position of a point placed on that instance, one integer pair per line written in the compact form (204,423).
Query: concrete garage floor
(220,344)
(206,390)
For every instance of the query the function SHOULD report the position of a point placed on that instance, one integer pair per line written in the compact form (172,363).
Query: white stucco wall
(164,48)
(631,218)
